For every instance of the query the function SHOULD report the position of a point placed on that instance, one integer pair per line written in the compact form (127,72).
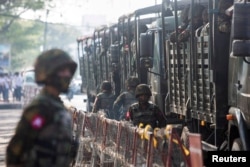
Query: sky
(72,11)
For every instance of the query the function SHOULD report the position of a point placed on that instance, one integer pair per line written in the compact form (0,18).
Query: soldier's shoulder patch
(37,121)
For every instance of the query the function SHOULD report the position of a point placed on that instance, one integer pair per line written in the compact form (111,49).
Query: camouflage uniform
(104,100)
(147,113)
(125,99)
(43,136)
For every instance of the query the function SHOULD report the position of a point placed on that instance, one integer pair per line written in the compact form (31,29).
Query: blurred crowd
(11,87)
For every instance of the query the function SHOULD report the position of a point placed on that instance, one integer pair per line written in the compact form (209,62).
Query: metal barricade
(109,143)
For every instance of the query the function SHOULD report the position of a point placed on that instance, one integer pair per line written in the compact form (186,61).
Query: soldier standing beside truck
(126,98)
(104,100)
(43,136)
(143,111)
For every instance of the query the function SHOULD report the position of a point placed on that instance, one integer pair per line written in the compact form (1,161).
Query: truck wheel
(237,145)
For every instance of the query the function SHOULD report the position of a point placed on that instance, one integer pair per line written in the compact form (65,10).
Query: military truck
(96,62)
(206,73)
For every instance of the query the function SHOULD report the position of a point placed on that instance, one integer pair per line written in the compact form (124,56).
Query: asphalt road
(8,121)
(9,116)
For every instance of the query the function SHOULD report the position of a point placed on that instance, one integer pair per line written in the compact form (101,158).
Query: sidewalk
(12,104)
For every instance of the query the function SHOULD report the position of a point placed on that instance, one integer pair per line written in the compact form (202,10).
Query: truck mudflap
(242,127)
(107,142)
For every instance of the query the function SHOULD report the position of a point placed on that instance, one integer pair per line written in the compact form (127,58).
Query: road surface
(8,121)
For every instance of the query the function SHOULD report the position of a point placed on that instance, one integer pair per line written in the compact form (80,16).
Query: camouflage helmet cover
(106,85)
(51,60)
(142,89)
(132,82)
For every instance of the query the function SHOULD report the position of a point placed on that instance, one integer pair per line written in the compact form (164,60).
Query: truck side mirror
(146,49)
(114,50)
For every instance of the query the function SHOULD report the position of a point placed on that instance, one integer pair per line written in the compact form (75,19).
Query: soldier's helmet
(142,89)
(48,62)
(132,82)
(106,85)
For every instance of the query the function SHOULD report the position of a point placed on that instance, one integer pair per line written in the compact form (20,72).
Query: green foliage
(20,34)
(25,40)
(12,6)
(26,37)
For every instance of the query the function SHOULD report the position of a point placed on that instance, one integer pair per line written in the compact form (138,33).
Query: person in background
(1,85)
(43,136)
(104,100)
(6,87)
(126,98)
(145,112)
(17,85)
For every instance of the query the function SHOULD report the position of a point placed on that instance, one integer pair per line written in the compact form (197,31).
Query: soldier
(43,137)
(104,100)
(224,20)
(126,98)
(143,111)
(184,29)
(204,29)
(183,25)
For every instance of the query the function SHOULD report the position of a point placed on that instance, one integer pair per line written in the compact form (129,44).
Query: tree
(12,9)
(13,30)
(26,37)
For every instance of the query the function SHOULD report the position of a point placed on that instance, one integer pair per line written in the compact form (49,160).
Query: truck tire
(237,145)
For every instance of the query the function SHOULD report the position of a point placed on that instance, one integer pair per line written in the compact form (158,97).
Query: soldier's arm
(160,117)
(22,141)
(74,143)
(118,102)
(129,114)
(96,105)
(117,105)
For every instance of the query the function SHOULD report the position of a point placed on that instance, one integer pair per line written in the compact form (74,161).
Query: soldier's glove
(183,37)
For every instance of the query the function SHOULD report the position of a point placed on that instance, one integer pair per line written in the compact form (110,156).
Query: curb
(11,106)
